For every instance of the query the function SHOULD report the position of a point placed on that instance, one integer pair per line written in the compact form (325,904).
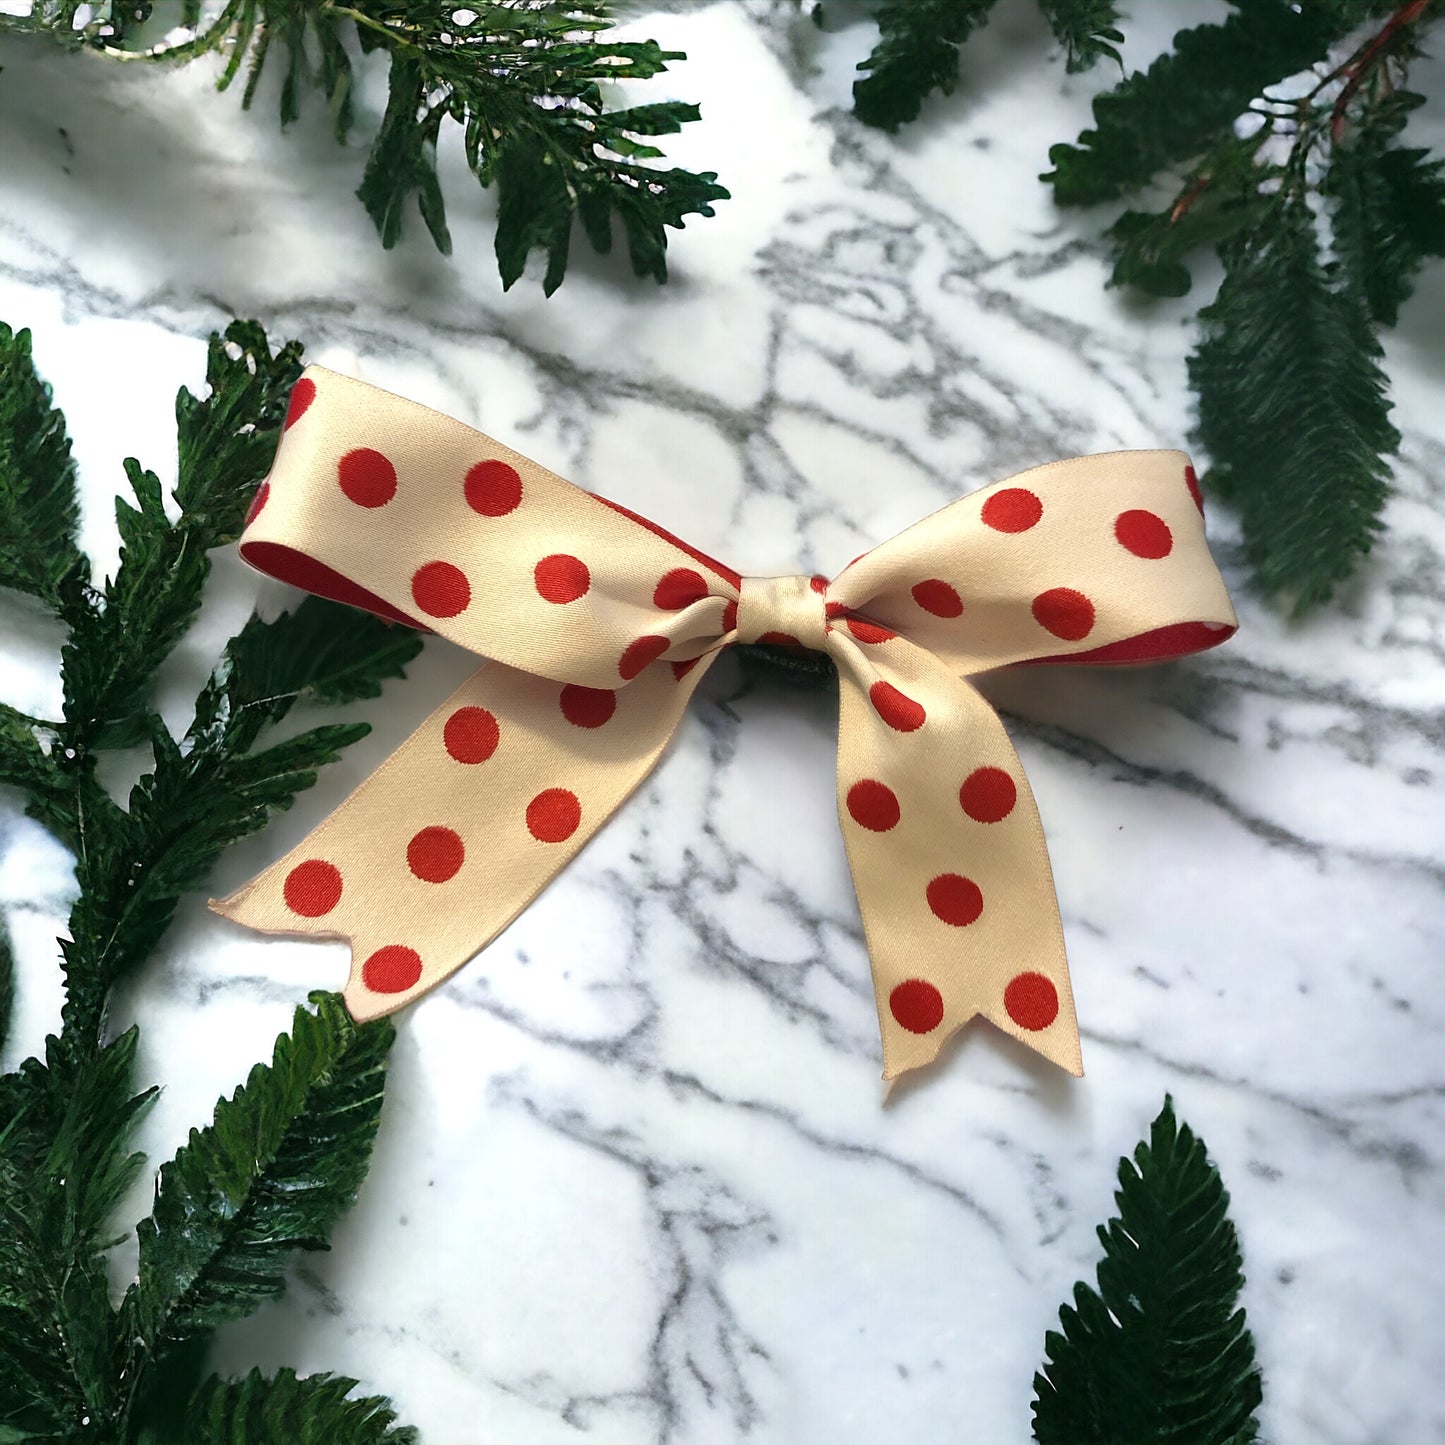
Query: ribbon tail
(948,859)
(451,838)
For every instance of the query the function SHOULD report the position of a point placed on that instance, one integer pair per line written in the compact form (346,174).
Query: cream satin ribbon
(599,626)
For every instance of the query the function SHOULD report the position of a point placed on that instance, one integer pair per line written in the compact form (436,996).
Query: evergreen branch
(280,1161)
(25,765)
(1393,38)
(1389,215)
(523,79)
(1224,197)
(7,983)
(917,53)
(322,650)
(70,1367)
(38,507)
(1292,408)
(287,1411)
(1175,110)
(1087,29)
(1159,1351)
(135,865)
(121,634)
(63,1169)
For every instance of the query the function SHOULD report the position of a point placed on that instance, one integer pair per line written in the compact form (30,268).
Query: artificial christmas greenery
(919,41)
(283,1157)
(521,78)
(1278,133)
(1160,1351)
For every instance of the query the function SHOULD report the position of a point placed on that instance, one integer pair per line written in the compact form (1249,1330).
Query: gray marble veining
(637,1179)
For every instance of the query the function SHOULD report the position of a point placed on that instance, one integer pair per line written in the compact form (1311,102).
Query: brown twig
(1359,67)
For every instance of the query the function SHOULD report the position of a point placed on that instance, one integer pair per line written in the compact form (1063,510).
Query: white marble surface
(637,1180)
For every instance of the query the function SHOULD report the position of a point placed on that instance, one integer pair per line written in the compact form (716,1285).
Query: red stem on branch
(1196,188)
(1407,14)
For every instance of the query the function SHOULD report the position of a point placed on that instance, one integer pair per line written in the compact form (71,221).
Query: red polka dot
(988,795)
(435,854)
(302,395)
(681,669)
(1144,534)
(937,597)
(440,589)
(1032,1001)
(679,588)
(471,734)
(392,969)
(263,495)
(313,888)
(955,899)
(1191,480)
(780,639)
(588,707)
(640,653)
(493,489)
(834,610)
(899,711)
(730,617)
(562,578)
(367,477)
(873,805)
(818,583)
(866,631)
(917,1005)
(553,815)
(1015,509)
(1065,613)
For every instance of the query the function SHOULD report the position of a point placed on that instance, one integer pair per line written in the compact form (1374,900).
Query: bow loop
(376,501)
(1098,559)
(598,626)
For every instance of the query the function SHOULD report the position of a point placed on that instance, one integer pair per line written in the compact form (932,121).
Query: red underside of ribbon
(1177,640)
(286,564)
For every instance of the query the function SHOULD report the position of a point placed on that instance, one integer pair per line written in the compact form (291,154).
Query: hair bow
(598,625)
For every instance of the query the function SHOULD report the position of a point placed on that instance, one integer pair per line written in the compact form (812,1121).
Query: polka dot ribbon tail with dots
(597,626)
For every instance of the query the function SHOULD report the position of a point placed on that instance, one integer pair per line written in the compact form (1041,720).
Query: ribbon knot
(597,627)
(784,612)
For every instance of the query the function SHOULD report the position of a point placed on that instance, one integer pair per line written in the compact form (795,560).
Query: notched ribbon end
(922,1053)
(395,970)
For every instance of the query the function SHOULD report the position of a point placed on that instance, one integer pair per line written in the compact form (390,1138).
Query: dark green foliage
(1087,29)
(122,632)
(277,1166)
(523,79)
(1291,395)
(285,1156)
(288,1411)
(37,479)
(1179,107)
(1390,206)
(1160,1351)
(1292,409)
(1222,199)
(916,54)
(63,1168)
(7,984)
